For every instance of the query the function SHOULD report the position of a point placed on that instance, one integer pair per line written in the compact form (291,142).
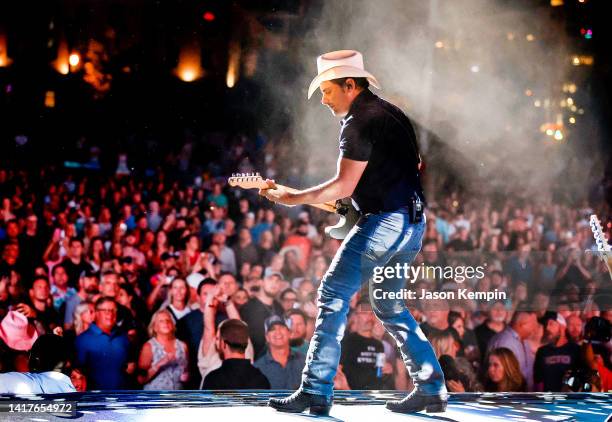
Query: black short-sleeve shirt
(378,132)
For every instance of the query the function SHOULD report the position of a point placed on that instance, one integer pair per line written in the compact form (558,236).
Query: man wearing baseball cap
(260,307)
(556,356)
(281,365)
(379,168)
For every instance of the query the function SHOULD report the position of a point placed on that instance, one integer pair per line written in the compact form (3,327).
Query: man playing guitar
(378,167)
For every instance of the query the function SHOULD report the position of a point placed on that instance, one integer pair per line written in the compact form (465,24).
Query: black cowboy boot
(300,401)
(417,401)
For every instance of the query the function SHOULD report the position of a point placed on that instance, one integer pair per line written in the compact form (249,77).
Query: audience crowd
(160,282)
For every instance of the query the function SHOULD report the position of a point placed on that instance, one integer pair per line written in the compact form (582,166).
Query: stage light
(549,132)
(573,108)
(530,37)
(475,68)
(572,120)
(589,34)
(62,62)
(537,103)
(528,92)
(570,101)
(189,66)
(510,36)
(582,60)
(50,99)
(558,135)
(74,59)
(208,16)
(233,65)
(188,75)
(439,44)
(4,59)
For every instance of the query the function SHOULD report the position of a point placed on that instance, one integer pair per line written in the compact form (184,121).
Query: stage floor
(183,406)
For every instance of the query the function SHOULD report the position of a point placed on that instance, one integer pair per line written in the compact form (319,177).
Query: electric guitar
(343,207)
(603,247)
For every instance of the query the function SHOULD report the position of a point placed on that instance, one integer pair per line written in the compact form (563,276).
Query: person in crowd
(362,354)
(240,298)
(514,338)
(104,349)
(436,316)
(236,371)
(281,365)
(226,257)
(245,250)
(298,326)
(84,316)
(48,358)
(503,372)
(556,356)
(39,307)
(178,298)
(260,307)
(288,299)
(574,330)
(17,335)
(467,337)
(218,308)
(75,262)
(495,323)
(78,378)
(60,291)
(163,361)
(161,283)
(88,291)
(458,372)
(190,330)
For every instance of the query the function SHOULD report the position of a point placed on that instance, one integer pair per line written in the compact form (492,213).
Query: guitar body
(348,218)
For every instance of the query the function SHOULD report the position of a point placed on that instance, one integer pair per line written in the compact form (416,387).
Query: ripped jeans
(382,239)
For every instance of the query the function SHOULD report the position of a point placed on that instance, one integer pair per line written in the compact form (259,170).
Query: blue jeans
(382,239)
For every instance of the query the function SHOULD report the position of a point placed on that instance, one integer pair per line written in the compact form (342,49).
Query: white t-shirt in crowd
(35,383)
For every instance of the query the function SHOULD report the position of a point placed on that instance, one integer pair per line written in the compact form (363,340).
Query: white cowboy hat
(340,64)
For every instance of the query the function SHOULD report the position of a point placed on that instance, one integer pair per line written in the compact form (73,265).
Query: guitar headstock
(247,181)
(598,233)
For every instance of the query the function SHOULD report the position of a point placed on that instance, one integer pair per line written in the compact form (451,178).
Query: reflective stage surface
(183,406)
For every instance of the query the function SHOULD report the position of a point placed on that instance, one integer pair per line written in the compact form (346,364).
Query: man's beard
(552,339)
(92,290)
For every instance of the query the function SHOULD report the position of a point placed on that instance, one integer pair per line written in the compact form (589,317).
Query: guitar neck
(255,181)
(325,206)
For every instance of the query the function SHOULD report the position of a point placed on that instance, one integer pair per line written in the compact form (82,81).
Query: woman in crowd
(459,373)
(96,254)
(163,359)
(503,372)
(78,379)
(178,298)
(84,315)
(470,345)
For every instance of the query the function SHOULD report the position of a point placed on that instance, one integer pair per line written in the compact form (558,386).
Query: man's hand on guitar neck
(340,186)
(276,193)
